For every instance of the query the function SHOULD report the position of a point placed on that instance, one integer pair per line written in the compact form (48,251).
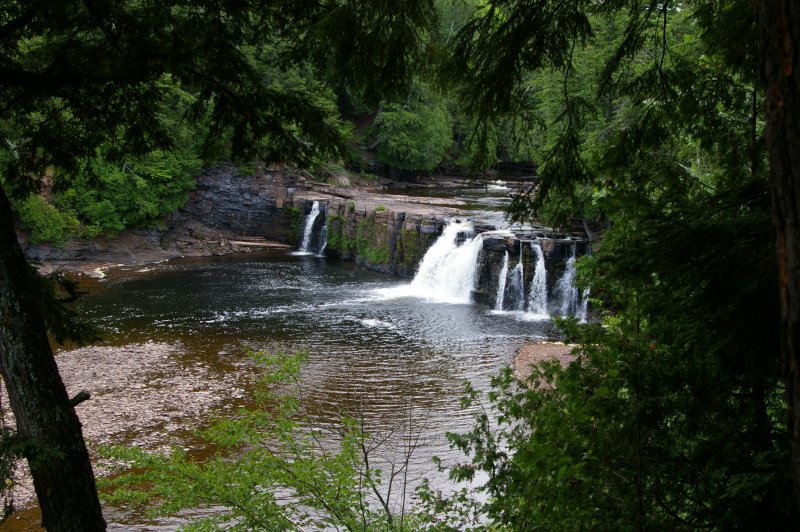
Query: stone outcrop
(383,240)
(358,226)
(389,233)
(242,205)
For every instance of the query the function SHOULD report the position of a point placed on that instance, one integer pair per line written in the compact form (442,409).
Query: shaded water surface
(386,360)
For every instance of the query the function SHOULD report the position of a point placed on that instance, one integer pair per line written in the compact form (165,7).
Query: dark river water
(365,348)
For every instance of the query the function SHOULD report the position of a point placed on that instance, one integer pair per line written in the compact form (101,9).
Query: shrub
(46,222)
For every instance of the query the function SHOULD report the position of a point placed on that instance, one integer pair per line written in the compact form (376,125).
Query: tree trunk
(56,452)
(779,30)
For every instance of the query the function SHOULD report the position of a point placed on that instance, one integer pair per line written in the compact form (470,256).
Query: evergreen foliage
(46,222)
(113,189)
(420,132)
(673,414)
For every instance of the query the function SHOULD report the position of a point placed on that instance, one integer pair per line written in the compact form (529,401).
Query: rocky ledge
(372,222)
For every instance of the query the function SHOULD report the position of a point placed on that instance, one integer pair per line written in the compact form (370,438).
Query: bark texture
(779,29)
(59,462)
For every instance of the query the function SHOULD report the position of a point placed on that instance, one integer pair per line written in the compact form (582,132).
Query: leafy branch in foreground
(272,471)
(612,442)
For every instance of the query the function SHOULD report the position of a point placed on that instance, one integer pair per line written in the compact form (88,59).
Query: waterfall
(310,219)
(518,282)
(566,290)
(447,272)
(537,301)
(583,311)
(501,284)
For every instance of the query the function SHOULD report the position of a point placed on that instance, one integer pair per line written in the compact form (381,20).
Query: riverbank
(141,247)
(146,394)
(535,352)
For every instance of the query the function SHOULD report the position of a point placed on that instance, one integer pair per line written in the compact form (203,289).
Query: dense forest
(670,125)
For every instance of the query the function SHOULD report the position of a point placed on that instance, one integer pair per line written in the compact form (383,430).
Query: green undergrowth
(272,471)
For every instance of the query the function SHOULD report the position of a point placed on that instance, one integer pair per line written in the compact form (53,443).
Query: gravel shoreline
(532,353)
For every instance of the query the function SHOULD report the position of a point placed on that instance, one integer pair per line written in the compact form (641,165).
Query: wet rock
(495,243)
(483,228)
(428,228)
(483,298)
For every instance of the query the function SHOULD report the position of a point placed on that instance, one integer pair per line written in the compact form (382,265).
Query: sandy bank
(532,353)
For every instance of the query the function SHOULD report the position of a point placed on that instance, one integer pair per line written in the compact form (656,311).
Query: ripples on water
(386,359)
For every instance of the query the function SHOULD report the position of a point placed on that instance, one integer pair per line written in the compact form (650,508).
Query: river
(177,337)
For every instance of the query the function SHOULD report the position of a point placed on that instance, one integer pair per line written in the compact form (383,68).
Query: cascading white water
(583,311)
(501,284)
(537,301)
(518,282)
(310,218)
(566,290)
(309,226)
(447,272)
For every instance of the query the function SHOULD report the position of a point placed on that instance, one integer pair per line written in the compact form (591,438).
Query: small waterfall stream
(583,311)
(537,301)
(323,240)
(565,290)
(309,243)
(501,284)
(310,219)
(518,283)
